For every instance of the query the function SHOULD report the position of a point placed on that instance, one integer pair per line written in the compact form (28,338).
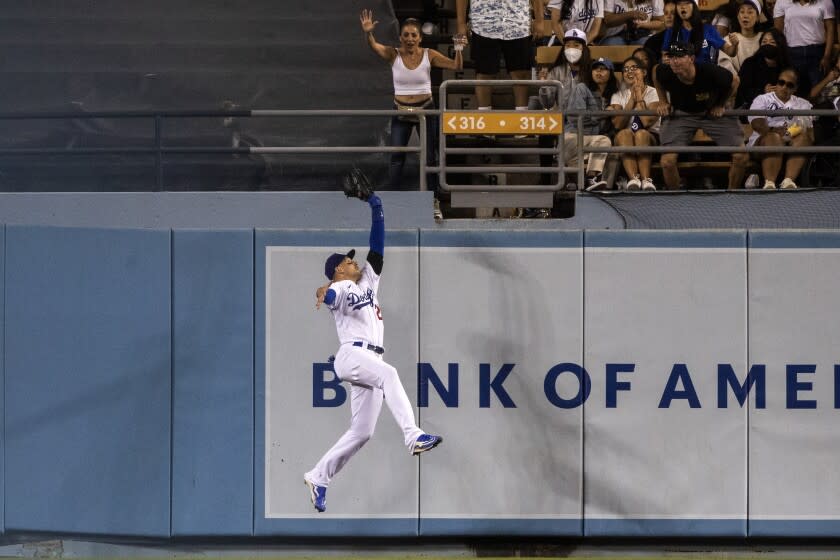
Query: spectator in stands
(648,58)
(603,86)
(742,42)
(631,22)
(765,20)
(698,93)
(636,95)
(501,27)
(655,42)
(586,15)
(760,72)
(411,69)
(573,69)
(776,130)
(724,16)
(689,28)
(808,26)
(829,87)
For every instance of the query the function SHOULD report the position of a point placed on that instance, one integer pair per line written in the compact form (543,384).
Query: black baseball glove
(357,185)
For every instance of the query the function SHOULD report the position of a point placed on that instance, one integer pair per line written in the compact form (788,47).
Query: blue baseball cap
(605,62)
(334,260)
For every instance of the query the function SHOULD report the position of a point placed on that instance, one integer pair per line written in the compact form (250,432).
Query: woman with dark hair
(656,42)
(586,15)
(689,27)
(573,62)
(648,58)
(634,130)
(760,72)
(742,42)
(808,26)
(411,67)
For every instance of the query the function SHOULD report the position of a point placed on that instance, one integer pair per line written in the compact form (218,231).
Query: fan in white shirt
(779,130)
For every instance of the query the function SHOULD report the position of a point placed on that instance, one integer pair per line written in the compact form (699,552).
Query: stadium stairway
(81,56)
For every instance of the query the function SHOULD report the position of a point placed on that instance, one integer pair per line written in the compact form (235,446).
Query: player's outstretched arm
(377,234)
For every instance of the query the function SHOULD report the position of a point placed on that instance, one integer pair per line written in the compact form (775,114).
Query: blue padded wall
(88,381)
(213,380)
(2,375)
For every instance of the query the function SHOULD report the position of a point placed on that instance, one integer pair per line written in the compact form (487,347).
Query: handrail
(157,116)
(158,150)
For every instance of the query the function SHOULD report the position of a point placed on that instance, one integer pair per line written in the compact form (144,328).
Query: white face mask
(572,55)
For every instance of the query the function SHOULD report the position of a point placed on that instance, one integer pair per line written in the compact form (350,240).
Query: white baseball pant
(371,380)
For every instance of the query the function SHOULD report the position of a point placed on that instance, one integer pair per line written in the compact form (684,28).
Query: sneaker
(769,185)
(596,183)
(438,213)
(752,181)
(788,184)
(647,185)
(634,184)
(318,495)
(424,443)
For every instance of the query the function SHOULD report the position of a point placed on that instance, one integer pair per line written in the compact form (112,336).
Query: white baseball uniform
(358,322)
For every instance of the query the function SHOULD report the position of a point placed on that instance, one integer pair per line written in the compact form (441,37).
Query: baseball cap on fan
(575,34)
(754,3)
(605,62)
(334,260)
(680,48)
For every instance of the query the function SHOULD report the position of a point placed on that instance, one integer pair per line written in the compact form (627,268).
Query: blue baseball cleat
(318,495)
(425,442)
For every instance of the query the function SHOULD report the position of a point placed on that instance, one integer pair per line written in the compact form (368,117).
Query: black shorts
(486,53)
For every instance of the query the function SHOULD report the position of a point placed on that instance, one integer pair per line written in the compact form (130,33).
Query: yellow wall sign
(515,122)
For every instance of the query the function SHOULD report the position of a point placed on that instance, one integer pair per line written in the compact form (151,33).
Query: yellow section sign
(515,122)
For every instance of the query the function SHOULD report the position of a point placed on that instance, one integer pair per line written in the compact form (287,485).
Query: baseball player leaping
(351,297)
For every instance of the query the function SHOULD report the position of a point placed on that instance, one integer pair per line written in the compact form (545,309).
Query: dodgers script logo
(357,301)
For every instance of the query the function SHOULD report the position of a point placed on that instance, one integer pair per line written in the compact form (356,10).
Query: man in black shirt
(692,97)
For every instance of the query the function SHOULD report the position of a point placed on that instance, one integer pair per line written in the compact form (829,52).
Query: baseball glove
(357,185)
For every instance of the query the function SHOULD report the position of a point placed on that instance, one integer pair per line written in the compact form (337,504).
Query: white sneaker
(769,185)
(647,185)
(788,184)
(752,181)
(596,183)
(634,184)
(438,213)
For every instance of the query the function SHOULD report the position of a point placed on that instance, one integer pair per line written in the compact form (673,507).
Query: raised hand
(366,19)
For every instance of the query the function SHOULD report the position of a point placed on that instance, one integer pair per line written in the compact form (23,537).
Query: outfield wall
(174,383)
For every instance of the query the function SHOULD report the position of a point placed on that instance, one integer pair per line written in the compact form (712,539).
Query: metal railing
(159,150)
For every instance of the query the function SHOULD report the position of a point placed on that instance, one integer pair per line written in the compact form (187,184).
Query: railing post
(423,150)
(158,162)
(581,155)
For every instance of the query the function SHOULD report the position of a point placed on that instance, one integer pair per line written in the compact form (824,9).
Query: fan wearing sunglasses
(779,130)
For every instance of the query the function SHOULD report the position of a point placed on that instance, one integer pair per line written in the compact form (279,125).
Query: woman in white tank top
(411,69)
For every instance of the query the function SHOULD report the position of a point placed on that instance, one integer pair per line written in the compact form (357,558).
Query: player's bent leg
(364,367)
(365,405)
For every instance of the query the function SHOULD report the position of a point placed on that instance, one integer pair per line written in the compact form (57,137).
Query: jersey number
(378,312)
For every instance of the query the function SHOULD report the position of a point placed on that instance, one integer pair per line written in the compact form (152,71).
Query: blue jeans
(807,61)
(400,135)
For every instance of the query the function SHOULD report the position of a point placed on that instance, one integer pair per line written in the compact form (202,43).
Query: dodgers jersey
(769,101)
(356,309)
